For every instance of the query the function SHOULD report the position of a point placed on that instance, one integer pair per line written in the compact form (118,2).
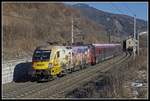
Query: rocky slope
(28,25)
(118,24)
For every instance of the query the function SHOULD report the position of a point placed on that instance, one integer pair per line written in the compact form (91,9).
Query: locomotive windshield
(41,55)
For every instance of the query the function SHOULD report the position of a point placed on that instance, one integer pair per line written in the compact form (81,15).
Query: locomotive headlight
(50,65)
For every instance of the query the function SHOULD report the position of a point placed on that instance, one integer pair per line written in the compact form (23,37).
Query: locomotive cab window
(41,55)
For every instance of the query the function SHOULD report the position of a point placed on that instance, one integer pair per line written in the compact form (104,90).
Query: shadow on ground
(21,71)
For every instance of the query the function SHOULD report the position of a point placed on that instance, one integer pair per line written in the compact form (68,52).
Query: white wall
(8,68)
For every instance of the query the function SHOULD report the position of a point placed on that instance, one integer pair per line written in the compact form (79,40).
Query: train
(55,61)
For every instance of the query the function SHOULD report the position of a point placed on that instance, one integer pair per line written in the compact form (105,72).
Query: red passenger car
(105,51)
(91,55)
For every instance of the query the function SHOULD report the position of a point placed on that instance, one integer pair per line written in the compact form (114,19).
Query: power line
(131,11)
(118,9)
(134,18)
(114,6)
(126,9)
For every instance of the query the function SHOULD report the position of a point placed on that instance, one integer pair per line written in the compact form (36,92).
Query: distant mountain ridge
(117,24)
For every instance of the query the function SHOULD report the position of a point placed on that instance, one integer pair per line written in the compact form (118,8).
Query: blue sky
(127,8)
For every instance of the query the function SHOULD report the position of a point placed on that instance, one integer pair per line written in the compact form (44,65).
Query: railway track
(58,87)
(97,72)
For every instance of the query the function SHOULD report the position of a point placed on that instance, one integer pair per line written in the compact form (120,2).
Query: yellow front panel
(40,65)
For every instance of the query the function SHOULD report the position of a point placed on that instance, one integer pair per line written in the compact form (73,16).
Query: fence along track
(27,91)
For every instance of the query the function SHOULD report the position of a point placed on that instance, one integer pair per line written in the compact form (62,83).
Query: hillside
(119,25)
(28,25)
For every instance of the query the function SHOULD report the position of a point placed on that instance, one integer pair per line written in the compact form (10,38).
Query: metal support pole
(138,51)
(134,26)
(72,41)
(135,47)
(109,37)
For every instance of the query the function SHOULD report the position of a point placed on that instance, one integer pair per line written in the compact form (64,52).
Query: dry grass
(120,79)
(116,83)
(26,26)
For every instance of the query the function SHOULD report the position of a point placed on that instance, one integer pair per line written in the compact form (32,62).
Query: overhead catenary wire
(134,16)
(129,10)
(118,9)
